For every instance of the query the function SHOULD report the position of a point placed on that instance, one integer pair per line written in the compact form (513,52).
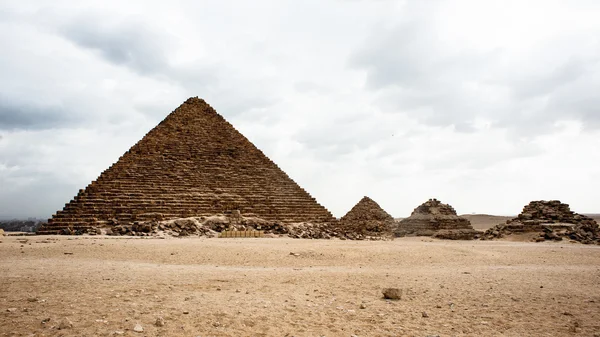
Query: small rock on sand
(159,322)
(65,324)
(138,328)
(392,293)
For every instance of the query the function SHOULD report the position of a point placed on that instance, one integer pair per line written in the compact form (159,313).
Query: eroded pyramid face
(194,163)
(430,217)
(367,209)
(368,218)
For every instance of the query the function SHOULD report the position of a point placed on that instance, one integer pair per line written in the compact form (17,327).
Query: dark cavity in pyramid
(434,218)
(367,219)
(194,163)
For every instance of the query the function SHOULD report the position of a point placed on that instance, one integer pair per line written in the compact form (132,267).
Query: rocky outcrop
(193,164)
(368,219)
(21,225)
(434,218)
(552,220)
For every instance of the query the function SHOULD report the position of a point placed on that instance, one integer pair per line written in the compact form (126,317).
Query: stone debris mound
(192,164)
(553,220)
(366,219)
(213,226)
(434,218)
(210,226)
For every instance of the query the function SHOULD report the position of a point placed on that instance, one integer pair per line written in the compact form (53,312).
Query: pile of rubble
(193,226)
(434,218)
(212,226)
(553,220)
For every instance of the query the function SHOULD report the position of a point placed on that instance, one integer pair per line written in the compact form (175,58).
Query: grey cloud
(138,47)
(546,83)
(412,73)
(125,44)
(329,141)
(41,198)
(25,115)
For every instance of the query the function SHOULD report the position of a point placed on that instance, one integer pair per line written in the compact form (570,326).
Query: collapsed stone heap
(553,220)
(211,227)
(366,220)
(433,218)
(193,164)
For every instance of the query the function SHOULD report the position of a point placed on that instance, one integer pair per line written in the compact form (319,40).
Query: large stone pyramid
(434,218)
(194,163)
(367,219)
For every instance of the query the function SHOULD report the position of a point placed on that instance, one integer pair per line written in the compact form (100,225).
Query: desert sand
(105,286)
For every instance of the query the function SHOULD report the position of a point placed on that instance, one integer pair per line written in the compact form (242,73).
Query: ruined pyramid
(549,220)
(194,163)
(367,219)
(434,218)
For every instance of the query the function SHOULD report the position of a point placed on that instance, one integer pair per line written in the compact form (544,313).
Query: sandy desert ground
(104,286)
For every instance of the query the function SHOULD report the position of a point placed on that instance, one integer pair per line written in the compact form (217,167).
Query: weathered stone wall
(194,163)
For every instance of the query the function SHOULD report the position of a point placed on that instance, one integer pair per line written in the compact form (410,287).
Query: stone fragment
(138,328)
(392,293)
(65,324)
(159,322)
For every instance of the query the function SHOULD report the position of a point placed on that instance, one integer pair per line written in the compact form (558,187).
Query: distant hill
(20,225)
(595,216)
(485,221)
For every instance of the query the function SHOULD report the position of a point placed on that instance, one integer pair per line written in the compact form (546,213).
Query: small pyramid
(434,218)
(367,218)
(551,220)
(193,163)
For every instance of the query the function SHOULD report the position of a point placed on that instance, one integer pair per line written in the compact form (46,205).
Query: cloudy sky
(485,105)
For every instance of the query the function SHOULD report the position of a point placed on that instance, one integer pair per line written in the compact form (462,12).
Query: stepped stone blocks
(434,218)
(194,163)
(553,220)
(366,220)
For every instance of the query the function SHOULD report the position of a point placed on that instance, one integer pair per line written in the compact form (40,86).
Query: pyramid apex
(195,100)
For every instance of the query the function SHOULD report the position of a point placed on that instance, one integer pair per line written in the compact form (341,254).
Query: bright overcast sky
(485,105)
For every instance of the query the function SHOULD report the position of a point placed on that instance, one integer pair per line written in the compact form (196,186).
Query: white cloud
(485,105)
